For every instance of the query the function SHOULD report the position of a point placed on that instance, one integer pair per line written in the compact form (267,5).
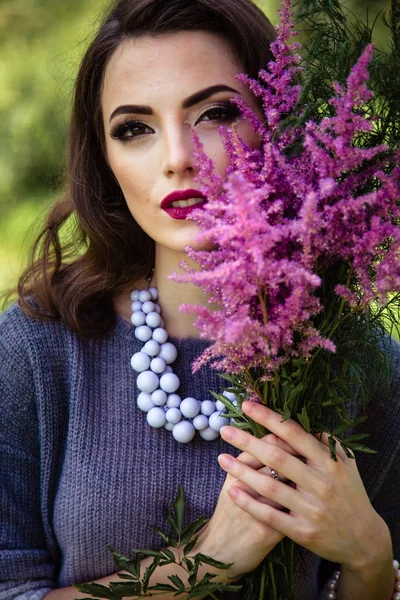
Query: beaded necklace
(157,382)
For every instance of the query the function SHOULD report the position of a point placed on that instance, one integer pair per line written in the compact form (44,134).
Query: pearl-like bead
(135,295)
(152,348)
(230,395)
(336,575)
(148,307)
(173,415)
(200,422)
(144,296)
(136,306)
(160,335)
(169,426)
(144,402)
(332,584)
(220,406)
(183,432)
(148,381)
(168,352)
(143,333)
(209,434)
(140,362)
(396,565)
(190,407)
(169,382)
(153,293)
(216,421)
(396,596)
(153,320)
(207,407)
(159,397)
(157,365)
(138,318)
(331,595)
(156,417)
(173,401)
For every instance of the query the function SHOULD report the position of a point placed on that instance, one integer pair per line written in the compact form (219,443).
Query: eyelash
(231,113)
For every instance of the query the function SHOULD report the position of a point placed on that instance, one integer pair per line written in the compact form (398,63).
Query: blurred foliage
(41,42)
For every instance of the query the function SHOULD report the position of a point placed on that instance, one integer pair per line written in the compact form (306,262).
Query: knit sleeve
(26,570)
(387,500)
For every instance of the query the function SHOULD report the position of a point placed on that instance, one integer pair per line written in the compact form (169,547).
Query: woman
(81,467)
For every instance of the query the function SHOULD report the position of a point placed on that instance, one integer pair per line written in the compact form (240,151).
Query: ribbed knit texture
(81,469)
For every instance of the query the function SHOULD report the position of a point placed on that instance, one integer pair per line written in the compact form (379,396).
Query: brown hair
(76,277)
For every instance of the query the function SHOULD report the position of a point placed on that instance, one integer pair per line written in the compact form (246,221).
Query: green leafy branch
(135,584)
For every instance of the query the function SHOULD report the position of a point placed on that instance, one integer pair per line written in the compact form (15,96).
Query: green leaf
(179,506)
(204,559)
(189,547)
(177,581)
(148,573)
(304,420)
(192,528)
(209,588)
(332,447)
(167,538)
(126,590)
(189,564)
(95,589)
(168,554)
(162,587)
(126,564)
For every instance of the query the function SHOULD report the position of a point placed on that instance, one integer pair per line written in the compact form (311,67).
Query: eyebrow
(195,98)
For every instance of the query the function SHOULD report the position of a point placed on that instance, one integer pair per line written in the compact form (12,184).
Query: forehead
(180,62)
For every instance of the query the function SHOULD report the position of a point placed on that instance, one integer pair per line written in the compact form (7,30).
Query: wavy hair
(75,277)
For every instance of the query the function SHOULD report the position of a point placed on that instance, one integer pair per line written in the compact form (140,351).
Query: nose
(177,151)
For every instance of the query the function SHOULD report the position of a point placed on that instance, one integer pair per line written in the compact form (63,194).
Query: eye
(129,129)
(220,113)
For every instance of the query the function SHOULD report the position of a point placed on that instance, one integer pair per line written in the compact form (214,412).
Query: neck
(171,295)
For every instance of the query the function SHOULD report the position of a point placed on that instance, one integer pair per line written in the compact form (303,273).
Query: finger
(264,513)
(264,485)
(272,439)
(291,432)
(272,456)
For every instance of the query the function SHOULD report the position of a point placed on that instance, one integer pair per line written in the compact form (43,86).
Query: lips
(179,211)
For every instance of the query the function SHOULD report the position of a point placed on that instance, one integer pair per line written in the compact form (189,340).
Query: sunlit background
(41,42)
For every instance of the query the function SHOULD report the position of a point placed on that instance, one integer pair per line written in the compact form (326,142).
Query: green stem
(262,584)
(271,573)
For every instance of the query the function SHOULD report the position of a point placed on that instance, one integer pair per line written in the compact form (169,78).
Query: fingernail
(233,492)
(227,433)
(225,461)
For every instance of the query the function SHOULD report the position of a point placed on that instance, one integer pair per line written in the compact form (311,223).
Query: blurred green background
(41,42)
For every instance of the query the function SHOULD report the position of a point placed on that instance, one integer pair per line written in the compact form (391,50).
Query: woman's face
(154,89)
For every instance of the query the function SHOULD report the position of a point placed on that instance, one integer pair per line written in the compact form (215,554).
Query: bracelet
(331,586)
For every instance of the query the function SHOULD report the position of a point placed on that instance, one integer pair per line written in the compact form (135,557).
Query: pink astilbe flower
(281,219)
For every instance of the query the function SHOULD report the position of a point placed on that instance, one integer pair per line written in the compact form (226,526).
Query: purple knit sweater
(80,468)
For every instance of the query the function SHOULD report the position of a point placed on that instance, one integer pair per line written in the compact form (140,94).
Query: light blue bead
(183,432)
(147,381)
(190,407)
(207,407)
(156,417)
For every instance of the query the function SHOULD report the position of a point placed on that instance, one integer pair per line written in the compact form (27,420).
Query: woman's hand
(329,511)
(233,535)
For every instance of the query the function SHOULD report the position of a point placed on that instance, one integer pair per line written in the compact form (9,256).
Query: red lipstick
(181,212)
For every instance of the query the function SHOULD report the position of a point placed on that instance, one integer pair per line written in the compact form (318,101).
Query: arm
(217,539)
(26,566)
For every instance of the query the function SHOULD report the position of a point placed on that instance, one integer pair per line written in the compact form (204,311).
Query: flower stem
(262,584)
(271,572)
